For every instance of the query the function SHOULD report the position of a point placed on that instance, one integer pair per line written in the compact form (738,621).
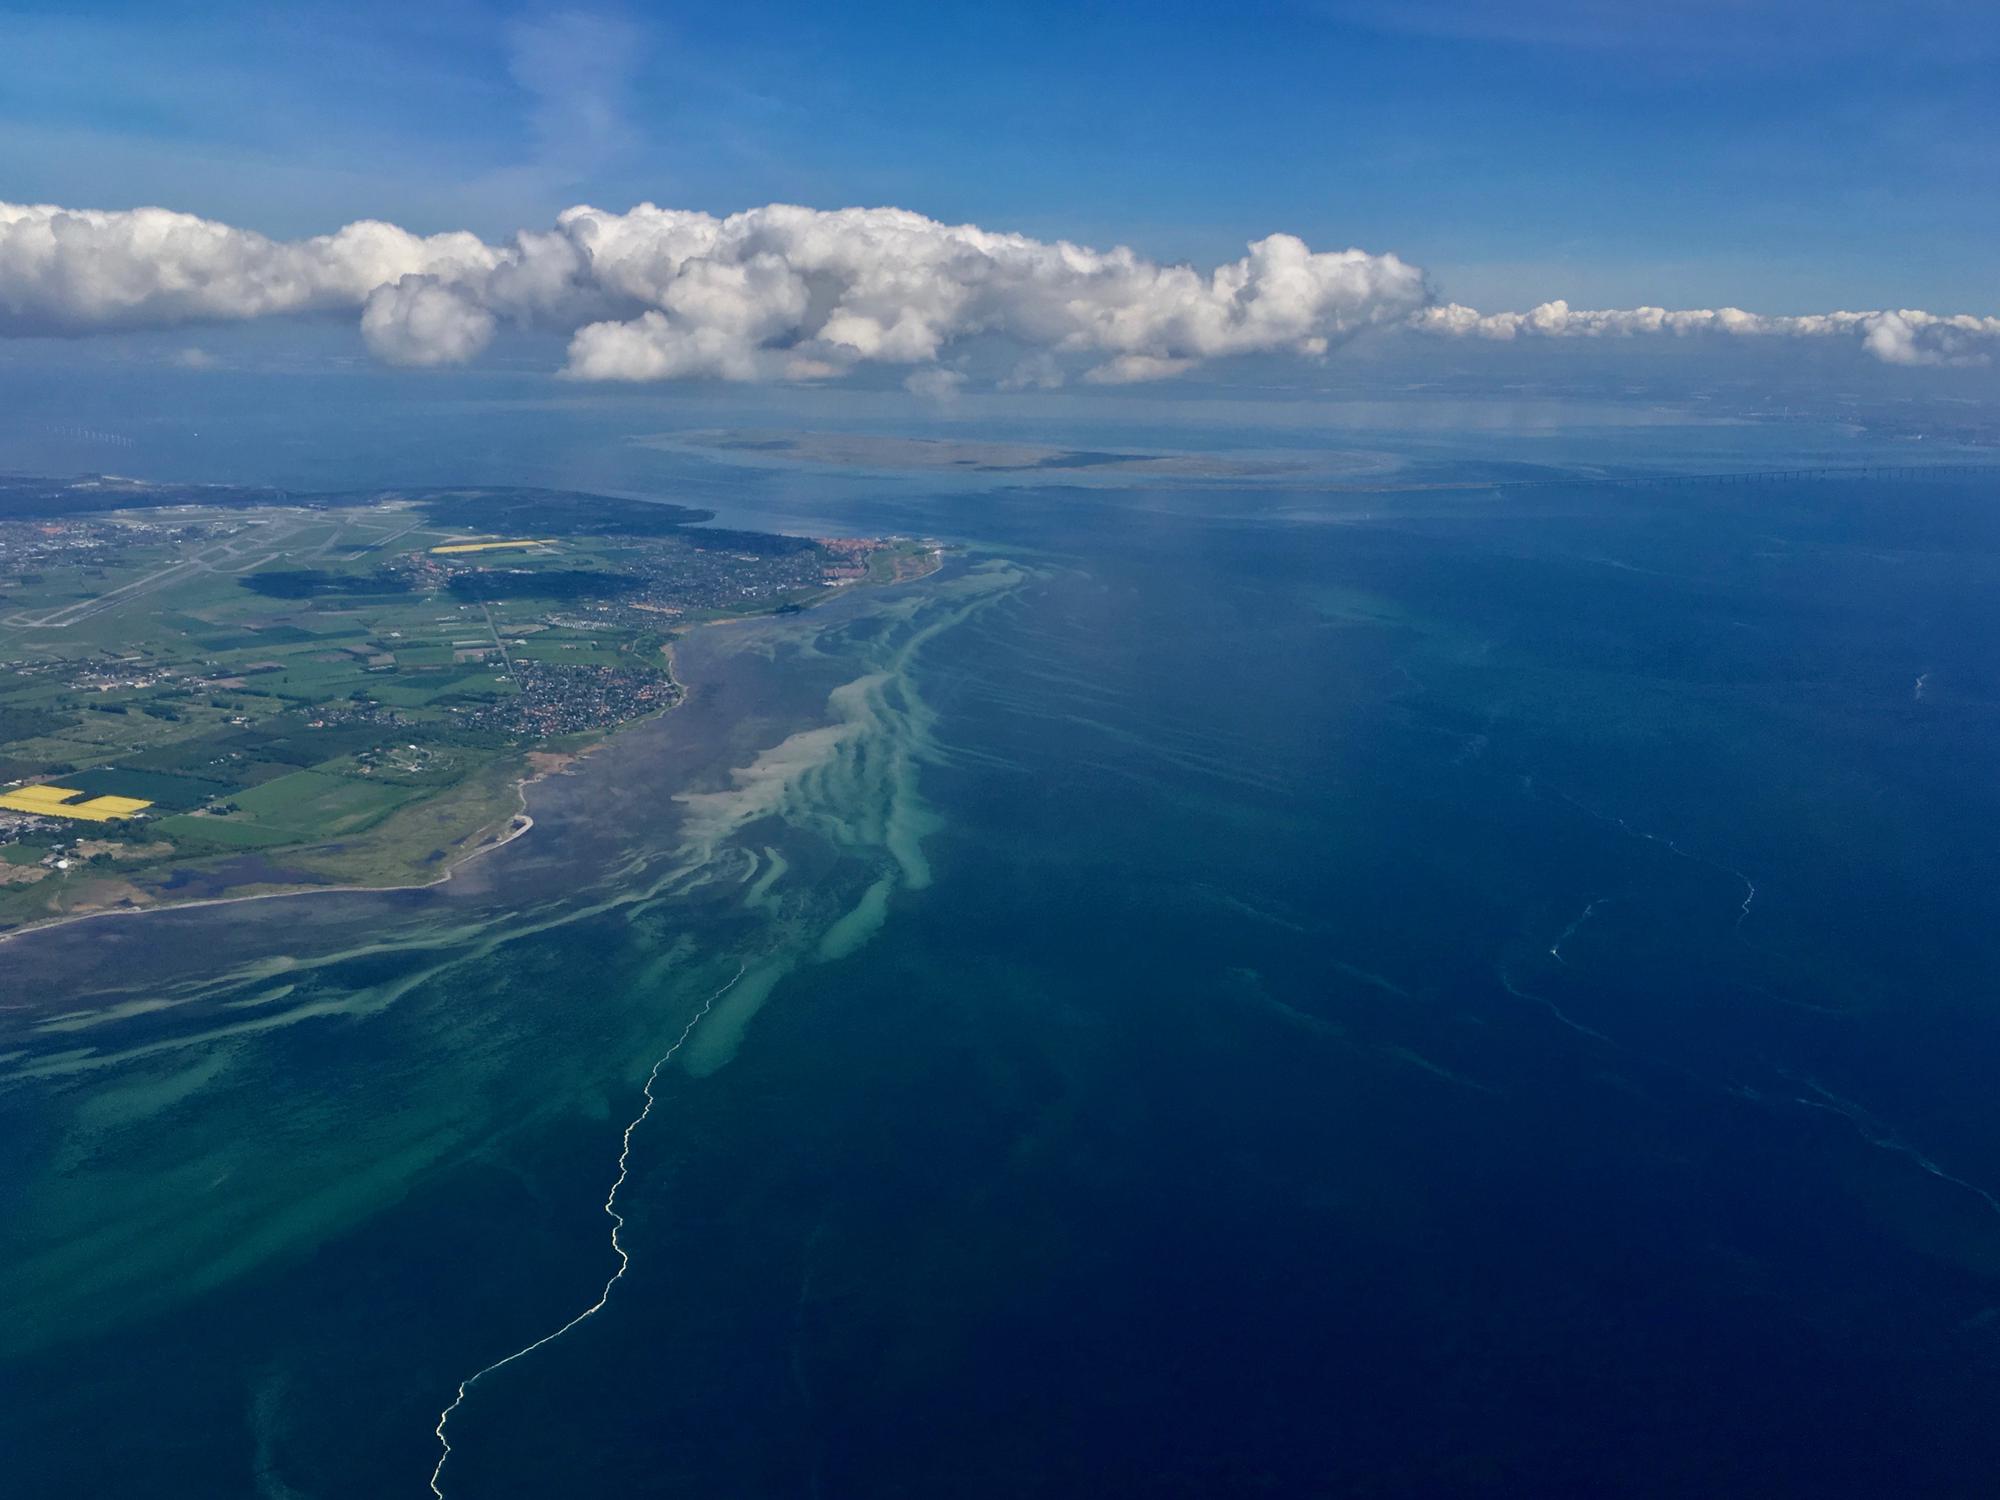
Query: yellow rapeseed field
(54,801)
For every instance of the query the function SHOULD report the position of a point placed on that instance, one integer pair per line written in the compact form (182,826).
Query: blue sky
(1785,158)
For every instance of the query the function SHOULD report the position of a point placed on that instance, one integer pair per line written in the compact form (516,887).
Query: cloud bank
(657,294)
(1903,337)
(787,293)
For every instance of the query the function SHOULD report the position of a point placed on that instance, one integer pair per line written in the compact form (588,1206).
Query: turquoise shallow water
(1224,991)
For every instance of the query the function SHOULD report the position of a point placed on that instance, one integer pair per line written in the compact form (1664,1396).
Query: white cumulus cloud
(777,292)
(789,293)
(1901,337)
(934,383)
(419,320)
(79,271)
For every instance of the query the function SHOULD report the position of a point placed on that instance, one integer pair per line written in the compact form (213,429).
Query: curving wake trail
(1671,845)
(617,1223)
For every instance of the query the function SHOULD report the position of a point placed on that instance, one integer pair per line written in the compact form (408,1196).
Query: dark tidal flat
(1223,990)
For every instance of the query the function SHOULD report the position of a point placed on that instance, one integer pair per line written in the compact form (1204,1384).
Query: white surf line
(617,1223)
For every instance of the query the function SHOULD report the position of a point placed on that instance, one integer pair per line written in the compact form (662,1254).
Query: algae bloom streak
(444,989)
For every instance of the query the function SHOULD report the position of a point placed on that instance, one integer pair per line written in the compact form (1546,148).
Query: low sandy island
(852,450)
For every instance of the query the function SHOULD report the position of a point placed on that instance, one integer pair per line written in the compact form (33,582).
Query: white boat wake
(1556,948)
(1610,821)
(617,1223)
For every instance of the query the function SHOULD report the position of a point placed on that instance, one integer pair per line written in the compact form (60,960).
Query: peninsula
(211,691)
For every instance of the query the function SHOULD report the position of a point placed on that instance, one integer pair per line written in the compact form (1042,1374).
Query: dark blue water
(1471,992)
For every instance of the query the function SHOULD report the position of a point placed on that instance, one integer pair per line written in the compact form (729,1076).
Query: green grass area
(43,754)
(220,755)
(432,687)
(415,765)
(169,793)
(193,833)
(23,722)
(586,652)
(313,805)
(254,640)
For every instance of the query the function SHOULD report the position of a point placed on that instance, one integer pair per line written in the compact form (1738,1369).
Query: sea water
(1226,989)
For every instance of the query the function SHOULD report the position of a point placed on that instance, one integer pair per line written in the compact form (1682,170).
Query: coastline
(487,841)
(540,765)
(517,823)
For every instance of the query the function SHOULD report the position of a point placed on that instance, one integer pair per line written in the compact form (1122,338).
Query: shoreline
(519,822)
